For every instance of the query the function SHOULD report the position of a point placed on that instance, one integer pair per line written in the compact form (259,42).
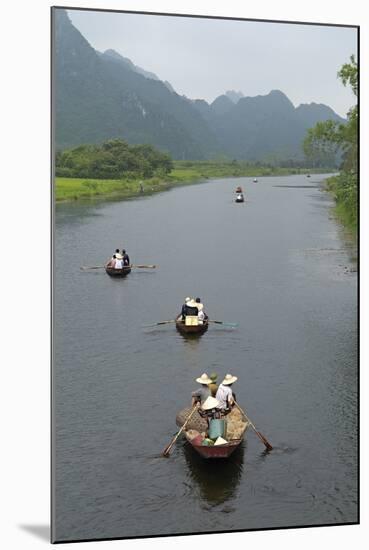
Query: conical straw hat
(204,379)
(229,379)
(210,403)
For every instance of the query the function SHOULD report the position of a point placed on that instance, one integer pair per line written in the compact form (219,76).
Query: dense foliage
(114,159)
(331,137)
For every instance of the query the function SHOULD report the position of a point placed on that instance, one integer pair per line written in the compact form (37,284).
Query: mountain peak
(115,55)
(234,96)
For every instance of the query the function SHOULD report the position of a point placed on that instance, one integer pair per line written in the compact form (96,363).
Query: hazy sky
(203,58)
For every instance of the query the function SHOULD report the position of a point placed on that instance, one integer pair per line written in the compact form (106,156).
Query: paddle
(263,439)
(168,447)
(223,323)
(160,323)
(103,267)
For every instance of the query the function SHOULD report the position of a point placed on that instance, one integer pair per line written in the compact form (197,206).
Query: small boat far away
(255,180)
(239,198)
(308,175)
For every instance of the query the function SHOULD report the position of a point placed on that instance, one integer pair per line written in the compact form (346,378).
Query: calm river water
(279,266)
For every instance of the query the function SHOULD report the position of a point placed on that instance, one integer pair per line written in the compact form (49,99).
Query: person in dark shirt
(125,257)
(191,308)
(184,308)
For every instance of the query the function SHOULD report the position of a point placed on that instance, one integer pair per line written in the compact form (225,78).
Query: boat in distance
(240,198)
(191,329)
(113,272)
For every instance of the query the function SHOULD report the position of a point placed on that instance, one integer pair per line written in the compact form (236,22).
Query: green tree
(330,137)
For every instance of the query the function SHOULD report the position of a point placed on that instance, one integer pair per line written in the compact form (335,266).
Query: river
(278,265)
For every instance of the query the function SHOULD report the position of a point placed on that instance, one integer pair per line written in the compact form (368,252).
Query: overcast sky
(203,58)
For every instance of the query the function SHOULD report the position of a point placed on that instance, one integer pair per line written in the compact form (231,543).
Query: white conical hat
(118,256)
(192,303)
(204,379)
(229,379)
(210,403)
(220,441)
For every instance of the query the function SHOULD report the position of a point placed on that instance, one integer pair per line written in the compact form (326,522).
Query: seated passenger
(111,262)
(191,308)
(200,307)
(201,395)
(210,409)
(118,255)
(225,395)
(184,308)
(118,264)
(213,387)
(125,258)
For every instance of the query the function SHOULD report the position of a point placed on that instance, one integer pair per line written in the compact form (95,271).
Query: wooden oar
(223,323)
(103,267)
(263,439)
(160,323)
(143,266)
(168,447)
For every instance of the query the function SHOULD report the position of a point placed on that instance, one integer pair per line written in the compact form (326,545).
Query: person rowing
(200,396)
(225,394)
(189,308)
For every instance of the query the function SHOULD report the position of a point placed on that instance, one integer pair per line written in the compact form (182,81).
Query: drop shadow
(40,531)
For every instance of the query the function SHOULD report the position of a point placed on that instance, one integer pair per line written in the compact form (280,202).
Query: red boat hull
(216,451)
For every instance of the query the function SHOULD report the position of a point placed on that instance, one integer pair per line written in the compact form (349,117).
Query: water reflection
(217,479)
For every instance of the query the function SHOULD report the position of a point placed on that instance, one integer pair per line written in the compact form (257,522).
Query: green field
(184,172)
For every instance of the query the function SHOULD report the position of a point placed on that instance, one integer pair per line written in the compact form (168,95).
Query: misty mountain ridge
(100,96)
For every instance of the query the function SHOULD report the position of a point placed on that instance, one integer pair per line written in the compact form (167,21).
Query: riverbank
(344,190)
(184,173)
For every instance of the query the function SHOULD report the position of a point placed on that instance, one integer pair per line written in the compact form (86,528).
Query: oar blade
(224,323)
(160,323)
(265,441)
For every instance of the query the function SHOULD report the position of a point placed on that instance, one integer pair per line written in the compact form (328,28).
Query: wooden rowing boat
(118,272)
(194,329)
(216,451)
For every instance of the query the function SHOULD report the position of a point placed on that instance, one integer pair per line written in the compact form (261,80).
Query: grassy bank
(184,172)
(344,190)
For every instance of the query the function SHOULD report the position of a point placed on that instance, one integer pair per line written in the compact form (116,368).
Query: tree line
(330,138)
(113,159)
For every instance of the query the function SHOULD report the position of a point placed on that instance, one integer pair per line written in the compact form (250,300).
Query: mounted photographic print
(205,312)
